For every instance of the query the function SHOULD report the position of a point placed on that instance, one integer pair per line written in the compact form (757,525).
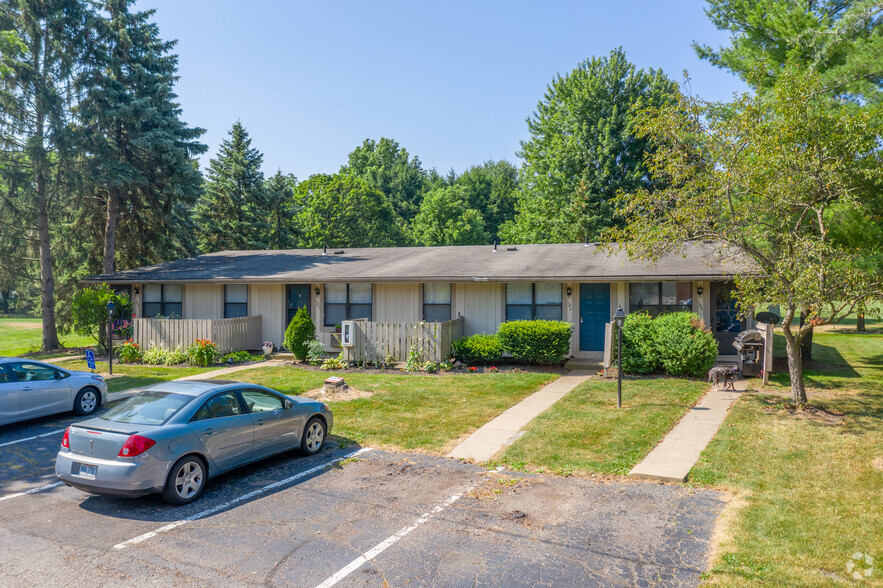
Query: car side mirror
(288,404)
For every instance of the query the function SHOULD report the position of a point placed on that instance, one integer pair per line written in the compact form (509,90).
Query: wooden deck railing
(376,342)
(234,334)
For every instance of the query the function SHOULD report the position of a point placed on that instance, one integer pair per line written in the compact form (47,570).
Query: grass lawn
(806,480)
(584,431)
(415,412)
(131,376)
(23,335)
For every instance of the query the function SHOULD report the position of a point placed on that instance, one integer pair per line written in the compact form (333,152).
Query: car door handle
(26,388)
(260,422)
(207,431)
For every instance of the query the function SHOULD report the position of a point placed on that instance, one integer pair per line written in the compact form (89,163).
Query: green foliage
(299,333)
(129,352)
(177,356)
(415,360)
(839,39)
(490,189)
(386,167)
(812,169)
(155,356)
(343,211)
(334,363)
(541,342)
(639,351)
(239,357)
(279,210)
(481,348)
(203,352)
(89,311)
(231,213)
(315,352)
(674,343)
(445,218)
(583,150)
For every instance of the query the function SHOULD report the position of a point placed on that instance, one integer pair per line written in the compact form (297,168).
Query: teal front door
(594,313)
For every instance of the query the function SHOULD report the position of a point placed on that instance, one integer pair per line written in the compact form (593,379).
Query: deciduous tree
(446,218)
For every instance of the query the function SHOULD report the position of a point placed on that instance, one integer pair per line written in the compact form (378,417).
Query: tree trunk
(110,229)
(795,367)
(47,279)
(806,342)
(860,323)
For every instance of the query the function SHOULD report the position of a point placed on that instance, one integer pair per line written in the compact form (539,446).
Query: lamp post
(110,308)
(619,319)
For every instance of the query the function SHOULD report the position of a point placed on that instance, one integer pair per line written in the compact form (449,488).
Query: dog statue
(727,375)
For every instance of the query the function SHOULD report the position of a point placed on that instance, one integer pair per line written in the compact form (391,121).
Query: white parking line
(56,432)
(229,503)
(386,543)
(31,491)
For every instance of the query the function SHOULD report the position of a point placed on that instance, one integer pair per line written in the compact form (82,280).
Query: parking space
(357,517)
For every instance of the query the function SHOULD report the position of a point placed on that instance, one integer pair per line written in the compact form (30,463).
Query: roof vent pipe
(325,249)
(495,246)
(587,239)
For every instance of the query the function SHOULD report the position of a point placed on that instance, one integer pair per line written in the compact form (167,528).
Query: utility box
(347,331)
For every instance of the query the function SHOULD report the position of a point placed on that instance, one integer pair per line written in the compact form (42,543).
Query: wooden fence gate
(234,334)
(376,342)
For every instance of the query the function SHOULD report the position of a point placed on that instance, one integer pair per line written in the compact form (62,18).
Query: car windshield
(148,408)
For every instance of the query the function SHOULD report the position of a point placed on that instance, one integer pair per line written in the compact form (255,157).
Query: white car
(31,389)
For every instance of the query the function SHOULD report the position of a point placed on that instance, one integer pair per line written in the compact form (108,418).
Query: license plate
(88,471)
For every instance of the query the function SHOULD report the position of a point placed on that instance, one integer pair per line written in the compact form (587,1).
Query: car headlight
(326,406)
(97,377)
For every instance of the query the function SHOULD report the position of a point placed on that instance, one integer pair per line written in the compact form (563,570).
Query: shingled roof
(509,263)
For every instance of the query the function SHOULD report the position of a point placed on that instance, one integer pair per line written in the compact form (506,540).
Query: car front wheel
(86,402)
(186,481)
(314,437)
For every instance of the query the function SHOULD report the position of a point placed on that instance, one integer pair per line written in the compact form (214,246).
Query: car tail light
(136,445)
(66,440)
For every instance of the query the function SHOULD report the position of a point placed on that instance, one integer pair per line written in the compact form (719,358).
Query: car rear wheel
(86,402)
(186,481)
(314,437)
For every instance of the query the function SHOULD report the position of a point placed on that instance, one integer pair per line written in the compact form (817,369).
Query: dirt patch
(808,412)
(878,463)
(337,394)
(723,533)
(23,325)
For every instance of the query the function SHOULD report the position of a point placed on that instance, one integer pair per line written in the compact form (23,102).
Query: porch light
(569,291)
(699,290)
(317,291)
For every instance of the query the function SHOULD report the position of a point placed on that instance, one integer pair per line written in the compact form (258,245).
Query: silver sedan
(31,389)
(174,436)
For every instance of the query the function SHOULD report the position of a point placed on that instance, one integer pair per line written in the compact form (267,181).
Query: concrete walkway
(484,443)
(679,451)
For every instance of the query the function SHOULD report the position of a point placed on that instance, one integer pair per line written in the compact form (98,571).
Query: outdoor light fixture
(317,291)
(110,308)
(699,290)
(619,319)
(569,291)
(136,291)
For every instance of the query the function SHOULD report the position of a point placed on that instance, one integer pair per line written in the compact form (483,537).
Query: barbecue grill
(749,348)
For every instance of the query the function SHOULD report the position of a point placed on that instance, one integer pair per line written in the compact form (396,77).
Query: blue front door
(594,313)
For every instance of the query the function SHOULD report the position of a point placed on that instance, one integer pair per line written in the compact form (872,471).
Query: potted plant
(336,328)
(268,348)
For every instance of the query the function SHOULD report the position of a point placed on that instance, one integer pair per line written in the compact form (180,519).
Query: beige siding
(481,304)
(397,303)
(203,301)
(268,300)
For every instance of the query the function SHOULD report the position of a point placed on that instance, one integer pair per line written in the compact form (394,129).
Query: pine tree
(231,214)
(141,169)
(280,211)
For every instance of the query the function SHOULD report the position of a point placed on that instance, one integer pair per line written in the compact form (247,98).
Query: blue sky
(452,82)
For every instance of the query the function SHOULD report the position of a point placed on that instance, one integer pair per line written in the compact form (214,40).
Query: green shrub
(675,343)
(333,363)
(481,348)
(315,352)
(89,311)
(299,333)
(129,352)
(203,352)
(686,347)
(176,356)
(542,342)
(154,356)
(240,357)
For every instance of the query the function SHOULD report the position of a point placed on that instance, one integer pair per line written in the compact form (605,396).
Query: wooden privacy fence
(234,334)
(375,342)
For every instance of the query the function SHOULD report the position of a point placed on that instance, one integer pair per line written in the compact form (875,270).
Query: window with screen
(162,300)
(540,301)
(347,302)
(436,302)
(656,298)
(235,300)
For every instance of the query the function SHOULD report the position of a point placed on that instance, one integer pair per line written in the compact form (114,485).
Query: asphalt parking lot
(348,516)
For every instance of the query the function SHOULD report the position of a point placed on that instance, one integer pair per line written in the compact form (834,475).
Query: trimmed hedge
(675,343)
(299,333)
(481,348)
(541,342)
